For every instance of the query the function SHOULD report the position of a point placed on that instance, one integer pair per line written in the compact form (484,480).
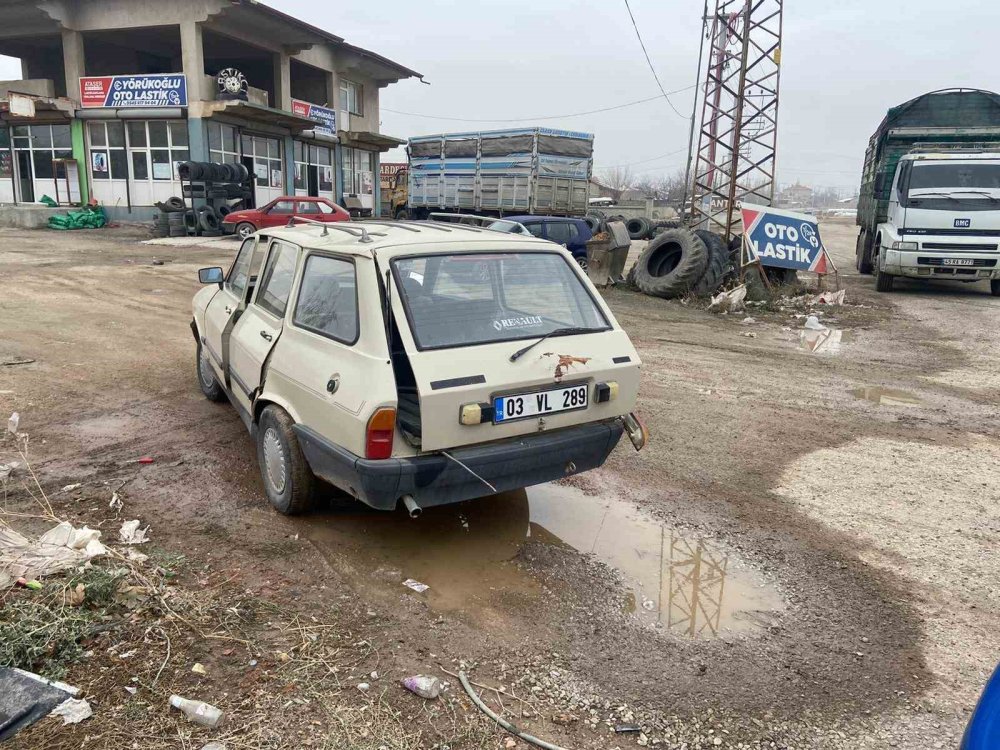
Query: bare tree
(618,179)
(669,187)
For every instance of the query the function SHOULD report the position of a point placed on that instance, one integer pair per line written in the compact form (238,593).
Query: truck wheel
(288,481)
(863,253)
(402,215)
(883,281)
(995,288)
(206,377)
(718,260)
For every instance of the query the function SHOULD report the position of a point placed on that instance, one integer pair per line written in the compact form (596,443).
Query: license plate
(539,403)
(957,262)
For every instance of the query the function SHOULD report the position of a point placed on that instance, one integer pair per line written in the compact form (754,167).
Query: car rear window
(462,300)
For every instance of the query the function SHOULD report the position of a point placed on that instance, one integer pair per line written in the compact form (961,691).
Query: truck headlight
(904,245)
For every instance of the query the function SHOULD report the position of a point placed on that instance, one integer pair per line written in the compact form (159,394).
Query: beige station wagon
(414,362)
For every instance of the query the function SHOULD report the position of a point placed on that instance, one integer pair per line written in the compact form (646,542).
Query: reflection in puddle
(466,552)
(825,341)
(886,396)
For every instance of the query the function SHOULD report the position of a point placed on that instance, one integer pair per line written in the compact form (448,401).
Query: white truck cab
(943,219)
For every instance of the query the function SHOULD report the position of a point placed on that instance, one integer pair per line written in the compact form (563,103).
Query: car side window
(239,274)
(535,228)
(324,208)
(558,231)
(283,207)
(328,299)
(308,207)
(276,281)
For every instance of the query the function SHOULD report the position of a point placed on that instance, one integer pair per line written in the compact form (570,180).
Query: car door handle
(266,336)
(229,311)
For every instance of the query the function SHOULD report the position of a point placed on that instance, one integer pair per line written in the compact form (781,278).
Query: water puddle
(886,396)
(465,554)
(825,341)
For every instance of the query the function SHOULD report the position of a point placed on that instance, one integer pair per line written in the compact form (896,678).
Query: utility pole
(737,140)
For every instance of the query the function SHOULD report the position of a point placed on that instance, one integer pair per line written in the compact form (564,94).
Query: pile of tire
(679,261)
(212,172)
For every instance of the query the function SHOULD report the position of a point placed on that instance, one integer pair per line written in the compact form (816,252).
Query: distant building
(795,195)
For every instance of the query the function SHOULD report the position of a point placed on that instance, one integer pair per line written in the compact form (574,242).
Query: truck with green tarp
(929,204)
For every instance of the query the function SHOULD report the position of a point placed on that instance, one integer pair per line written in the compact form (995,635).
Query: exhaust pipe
(411,506)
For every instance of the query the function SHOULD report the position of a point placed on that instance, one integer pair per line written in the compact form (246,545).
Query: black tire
(191,220)
(402,215)
(232,173)
(184,170)
(636,228)
(672,264)
(593,222)
(995,288)
(224,210)
(208,220)
(210,386)
(242,174)
(718,263)
(175,204)
(757,290)
(244,229)
(581,260)
(883,280)
(863,253)
(288,482)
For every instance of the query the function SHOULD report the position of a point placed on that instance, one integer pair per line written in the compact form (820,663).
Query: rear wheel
(581,260)
(402,215)
(210,386)
(288,481)
(244,229)
(863,253)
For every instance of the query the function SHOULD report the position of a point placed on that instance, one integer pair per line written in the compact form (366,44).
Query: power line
(650,62)
(533,119)
(643,161)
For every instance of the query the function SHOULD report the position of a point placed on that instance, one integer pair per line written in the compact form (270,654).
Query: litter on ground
(415,585)
(130,533)
(73,710)
(59,548)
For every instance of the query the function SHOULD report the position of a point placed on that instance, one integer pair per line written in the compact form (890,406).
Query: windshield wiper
(977,192)
(924,195)
(555,332)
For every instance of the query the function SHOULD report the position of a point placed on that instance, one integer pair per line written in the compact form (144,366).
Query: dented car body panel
(425,322)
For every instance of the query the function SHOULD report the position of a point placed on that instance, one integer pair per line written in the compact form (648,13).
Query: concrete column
(193,60)
(73,62)
(80,154)
(289,163)
(282,82)
(197,138)
(332,91)
(338,176)
(377,185)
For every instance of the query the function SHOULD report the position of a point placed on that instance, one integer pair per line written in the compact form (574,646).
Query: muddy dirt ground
(803,557)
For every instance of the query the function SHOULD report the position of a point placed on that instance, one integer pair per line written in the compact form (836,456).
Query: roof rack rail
(361,233)
(400,224)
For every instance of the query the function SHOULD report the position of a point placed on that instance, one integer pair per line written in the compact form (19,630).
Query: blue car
(983,731)
(563,230)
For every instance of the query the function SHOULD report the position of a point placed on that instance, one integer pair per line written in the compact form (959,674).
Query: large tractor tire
(672,264)
(718,262)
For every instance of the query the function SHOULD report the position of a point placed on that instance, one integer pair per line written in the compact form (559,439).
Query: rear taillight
(378,438)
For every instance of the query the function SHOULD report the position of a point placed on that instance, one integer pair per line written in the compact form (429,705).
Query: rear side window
(561,231)
(535,228)
(276,283)
(236,284)
(308,207)
(328,299)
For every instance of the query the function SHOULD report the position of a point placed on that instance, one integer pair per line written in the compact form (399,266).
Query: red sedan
(276,213)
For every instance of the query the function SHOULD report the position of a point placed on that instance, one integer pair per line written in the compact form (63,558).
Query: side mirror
(211,275)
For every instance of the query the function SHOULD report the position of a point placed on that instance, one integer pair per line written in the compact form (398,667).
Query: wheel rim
(205,370)
(245,231)
(274,460)
(582,263)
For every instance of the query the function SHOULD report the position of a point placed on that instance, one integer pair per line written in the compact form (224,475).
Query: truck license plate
(958,262)
(539,403)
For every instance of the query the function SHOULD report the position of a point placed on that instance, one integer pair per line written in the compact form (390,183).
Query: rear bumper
(437,480)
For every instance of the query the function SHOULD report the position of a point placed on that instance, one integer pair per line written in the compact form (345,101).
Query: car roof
(538,217)
(366,238)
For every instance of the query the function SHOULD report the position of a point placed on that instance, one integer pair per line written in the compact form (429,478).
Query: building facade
(115,93)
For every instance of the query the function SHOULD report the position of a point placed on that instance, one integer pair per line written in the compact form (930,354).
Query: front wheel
(581,260)
(288,480)
(210,386)
(995,287)
(402,215)
(883,280)
(244,229)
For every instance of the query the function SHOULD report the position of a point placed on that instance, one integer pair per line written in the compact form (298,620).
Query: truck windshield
(957,179)
(464,299)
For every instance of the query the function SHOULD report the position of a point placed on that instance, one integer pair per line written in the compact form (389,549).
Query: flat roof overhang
(47,110)
(368,139)
(257,113)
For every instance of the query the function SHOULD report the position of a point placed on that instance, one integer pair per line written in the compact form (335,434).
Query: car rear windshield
(461,300)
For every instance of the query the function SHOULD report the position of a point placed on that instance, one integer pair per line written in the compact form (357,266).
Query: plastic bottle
(198,711)
(424,686)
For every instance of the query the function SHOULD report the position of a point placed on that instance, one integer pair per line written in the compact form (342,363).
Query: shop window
(351,97)
(357,169)
(42,161)
(223,145)
(108,160)
(137,134)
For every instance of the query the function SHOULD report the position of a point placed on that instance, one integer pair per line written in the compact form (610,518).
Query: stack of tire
(679,261)
(195,171)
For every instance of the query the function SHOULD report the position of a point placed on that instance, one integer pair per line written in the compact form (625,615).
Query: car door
(223,308)
(558,232)
(535,228)
(277,214)
(260,325)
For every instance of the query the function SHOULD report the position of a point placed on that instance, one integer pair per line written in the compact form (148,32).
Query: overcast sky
(843,64)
